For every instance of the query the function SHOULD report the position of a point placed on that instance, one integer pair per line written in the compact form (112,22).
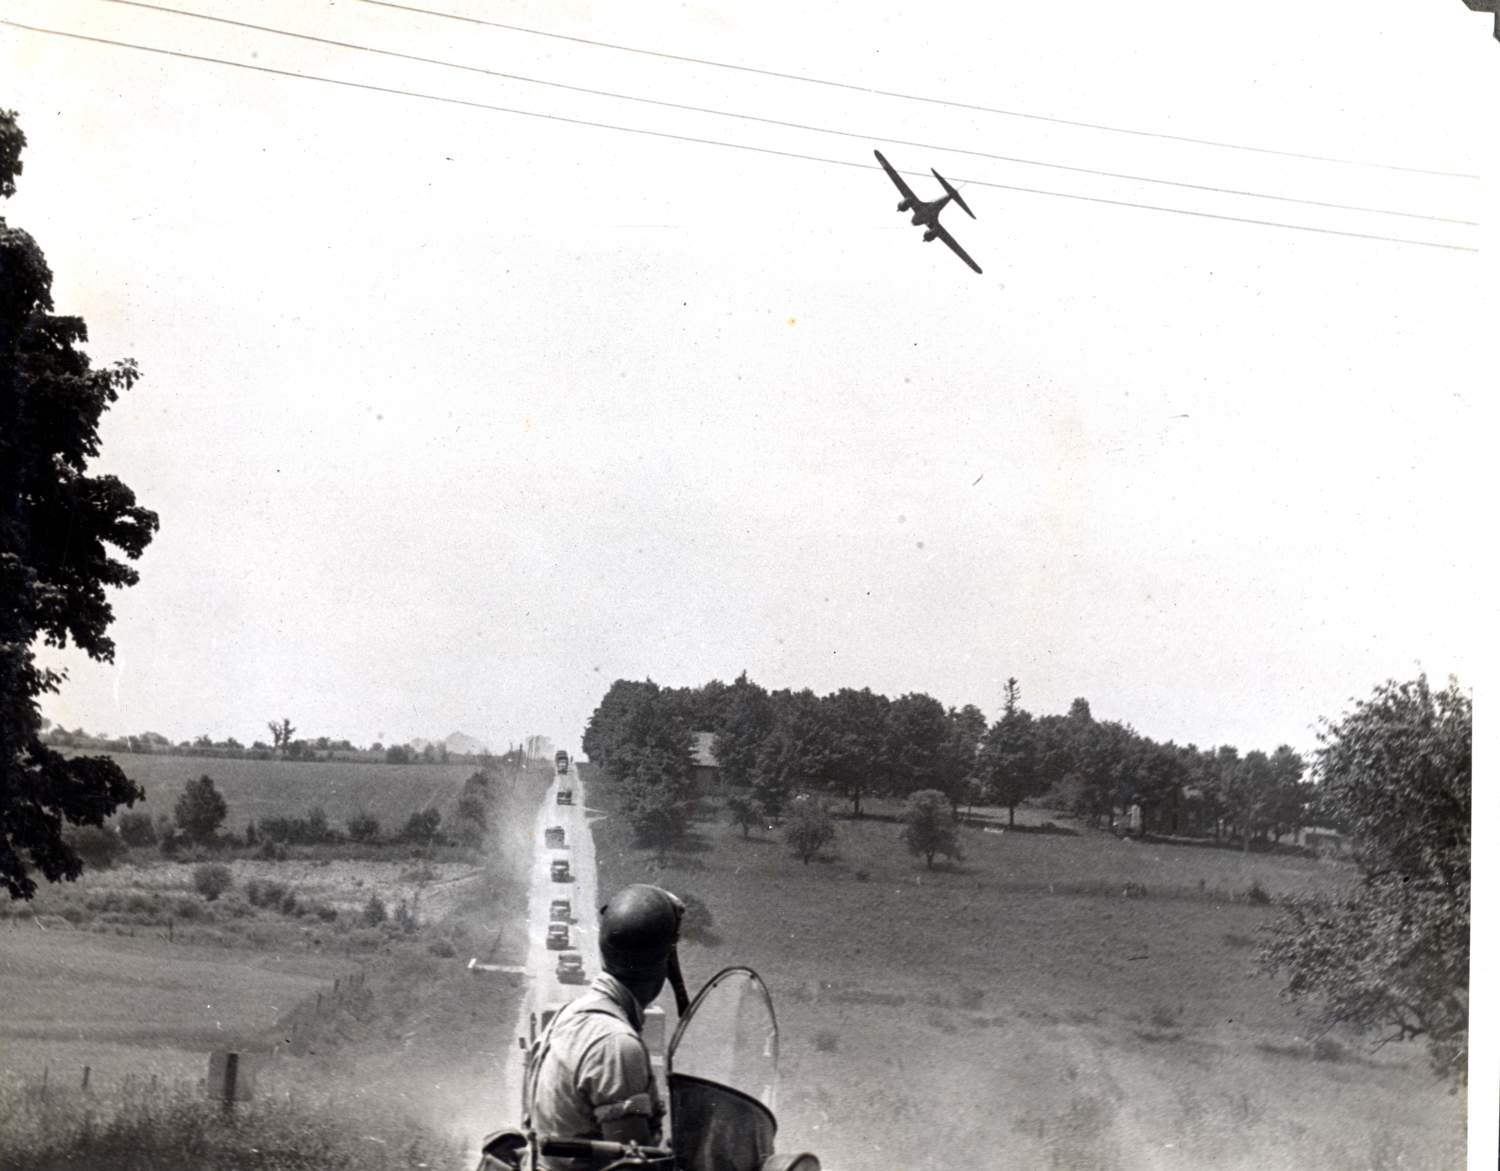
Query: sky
(452,416)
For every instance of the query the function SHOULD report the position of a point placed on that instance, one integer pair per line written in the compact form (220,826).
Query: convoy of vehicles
(557,936)
(555,838)
(561,760)
(565,796)
(560,872)
(561,911)
(570,969)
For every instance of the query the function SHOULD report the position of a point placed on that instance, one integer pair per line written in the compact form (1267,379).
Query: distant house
(1323,839)
(705,763)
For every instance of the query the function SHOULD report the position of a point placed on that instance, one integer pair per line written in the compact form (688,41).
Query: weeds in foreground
(174,1129)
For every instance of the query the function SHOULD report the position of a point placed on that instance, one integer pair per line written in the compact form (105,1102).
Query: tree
(657,812)
(919,732)
(422,826)
(281,734)
(929,829)
(808,828)
(749,718)
(363,827)
(959,776)
(859,747)
(200,810)
(59,530)
(1010,759)
(744,811)
(1392,956)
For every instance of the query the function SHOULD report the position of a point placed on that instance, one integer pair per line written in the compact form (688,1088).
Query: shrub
(825,1041)
(374,912)
(442,949)
(136,829)
(808,828)
(326,913)
(99,848)
(422,826)
(363,827)
(289,904)
(212,879)
(1257,894)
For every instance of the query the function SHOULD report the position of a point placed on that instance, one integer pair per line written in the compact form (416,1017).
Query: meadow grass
(1052,1000)
(253,789)
(141,1128)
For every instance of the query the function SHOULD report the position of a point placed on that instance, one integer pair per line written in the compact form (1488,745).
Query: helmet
(638,929)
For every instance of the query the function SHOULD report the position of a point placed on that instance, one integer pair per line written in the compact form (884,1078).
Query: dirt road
(544,988)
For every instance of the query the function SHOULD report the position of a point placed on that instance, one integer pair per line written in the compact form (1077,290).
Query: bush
(808,828)
(99,848)
(374,912)
(363,827)
(326,913)
(422,826)
(136,829)
(1257,894)
(212,879)
(442,949)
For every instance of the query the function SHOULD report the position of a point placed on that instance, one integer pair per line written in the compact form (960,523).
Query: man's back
(591,1070)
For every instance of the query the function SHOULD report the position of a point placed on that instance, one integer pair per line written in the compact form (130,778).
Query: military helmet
(638,929)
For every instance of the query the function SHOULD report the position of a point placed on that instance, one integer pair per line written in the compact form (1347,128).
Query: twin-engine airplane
(927,213)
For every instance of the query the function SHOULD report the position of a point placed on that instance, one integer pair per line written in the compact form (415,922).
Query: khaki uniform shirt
(592,1067)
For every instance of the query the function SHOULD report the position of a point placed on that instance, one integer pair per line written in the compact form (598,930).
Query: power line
(865,89)
(785,124)
(371,87)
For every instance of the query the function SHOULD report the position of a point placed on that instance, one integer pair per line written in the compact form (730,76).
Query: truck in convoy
(562,761)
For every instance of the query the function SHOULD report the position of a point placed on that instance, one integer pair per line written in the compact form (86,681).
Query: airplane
(927,213)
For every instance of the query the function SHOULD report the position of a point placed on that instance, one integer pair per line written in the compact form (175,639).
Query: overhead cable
(536,32)
(276,31)
(663,134)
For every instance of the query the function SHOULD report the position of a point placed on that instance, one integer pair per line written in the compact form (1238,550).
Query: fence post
(231,1080)
(85,1077)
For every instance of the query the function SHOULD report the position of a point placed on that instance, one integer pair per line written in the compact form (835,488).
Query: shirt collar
(611,987)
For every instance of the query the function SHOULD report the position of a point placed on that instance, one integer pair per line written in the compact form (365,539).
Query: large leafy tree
(200,810)
(748,719)
(920,733)
(60,530)
(1392,955)
(860,756)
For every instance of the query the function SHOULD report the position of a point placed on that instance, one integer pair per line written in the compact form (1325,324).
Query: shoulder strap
(589,1002)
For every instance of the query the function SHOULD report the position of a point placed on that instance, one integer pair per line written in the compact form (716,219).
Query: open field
(254,789)
(1027,1008)
(133,973)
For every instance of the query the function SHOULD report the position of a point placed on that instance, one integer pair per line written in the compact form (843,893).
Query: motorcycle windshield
(722,1076)
(728,1036)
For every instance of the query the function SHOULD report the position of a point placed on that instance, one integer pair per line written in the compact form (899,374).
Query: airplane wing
(942,234)
(895,178)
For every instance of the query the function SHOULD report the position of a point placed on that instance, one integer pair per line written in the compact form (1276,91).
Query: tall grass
(143,1128)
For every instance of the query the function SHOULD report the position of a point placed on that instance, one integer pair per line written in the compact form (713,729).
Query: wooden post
(85,1077)
(46,1069)
(231,1080)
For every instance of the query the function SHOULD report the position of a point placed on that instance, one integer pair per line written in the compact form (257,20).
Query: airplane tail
(957,198)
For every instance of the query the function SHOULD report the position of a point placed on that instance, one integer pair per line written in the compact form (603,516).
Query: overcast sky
(453,416)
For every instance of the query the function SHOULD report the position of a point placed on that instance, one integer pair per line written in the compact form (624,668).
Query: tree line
(859,744)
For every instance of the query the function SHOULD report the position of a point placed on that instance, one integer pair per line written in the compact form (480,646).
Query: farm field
(253,789)
(136,1007)
(1027,1008)
(131,972)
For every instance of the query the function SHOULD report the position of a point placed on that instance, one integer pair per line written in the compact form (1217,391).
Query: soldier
(590,1076)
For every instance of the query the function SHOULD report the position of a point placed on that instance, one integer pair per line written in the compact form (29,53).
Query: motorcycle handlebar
(584,1148)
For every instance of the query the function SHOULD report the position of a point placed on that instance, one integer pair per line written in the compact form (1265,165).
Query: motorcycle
(721,1071)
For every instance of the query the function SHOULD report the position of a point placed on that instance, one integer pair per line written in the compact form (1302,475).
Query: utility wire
(865,89)
(372,88)
(778,122)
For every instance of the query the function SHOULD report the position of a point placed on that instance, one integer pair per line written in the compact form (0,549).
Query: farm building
(705,763)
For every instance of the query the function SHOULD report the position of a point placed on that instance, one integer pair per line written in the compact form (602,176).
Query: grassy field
(133,973)
(253,789)
(1056,1000)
